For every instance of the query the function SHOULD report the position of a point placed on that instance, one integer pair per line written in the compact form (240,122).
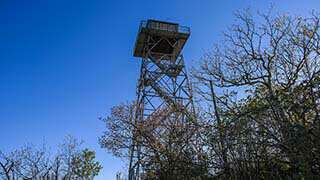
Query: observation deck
(160,37)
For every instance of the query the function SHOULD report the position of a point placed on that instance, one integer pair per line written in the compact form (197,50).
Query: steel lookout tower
(163,89)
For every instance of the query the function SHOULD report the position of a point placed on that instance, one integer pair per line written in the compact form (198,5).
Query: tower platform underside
(169,38)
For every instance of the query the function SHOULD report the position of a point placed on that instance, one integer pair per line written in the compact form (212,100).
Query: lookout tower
(163,89)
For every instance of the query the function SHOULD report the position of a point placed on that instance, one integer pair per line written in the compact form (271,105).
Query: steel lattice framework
(163,89)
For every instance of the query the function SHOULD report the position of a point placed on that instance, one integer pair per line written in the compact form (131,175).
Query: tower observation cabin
(160,38)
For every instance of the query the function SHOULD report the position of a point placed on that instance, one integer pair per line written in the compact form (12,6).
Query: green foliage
(84,165)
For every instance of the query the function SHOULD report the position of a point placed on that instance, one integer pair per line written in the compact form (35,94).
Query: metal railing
(158,25)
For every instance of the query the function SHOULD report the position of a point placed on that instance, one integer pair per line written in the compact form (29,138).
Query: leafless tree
(167,145)
(265,114)
(32,163)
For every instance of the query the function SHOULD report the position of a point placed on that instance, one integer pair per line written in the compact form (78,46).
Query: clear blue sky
(64,63)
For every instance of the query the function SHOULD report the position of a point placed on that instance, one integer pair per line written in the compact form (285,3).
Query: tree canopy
(31,163)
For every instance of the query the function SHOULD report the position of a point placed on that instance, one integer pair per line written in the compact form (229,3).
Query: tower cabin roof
(155,29)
